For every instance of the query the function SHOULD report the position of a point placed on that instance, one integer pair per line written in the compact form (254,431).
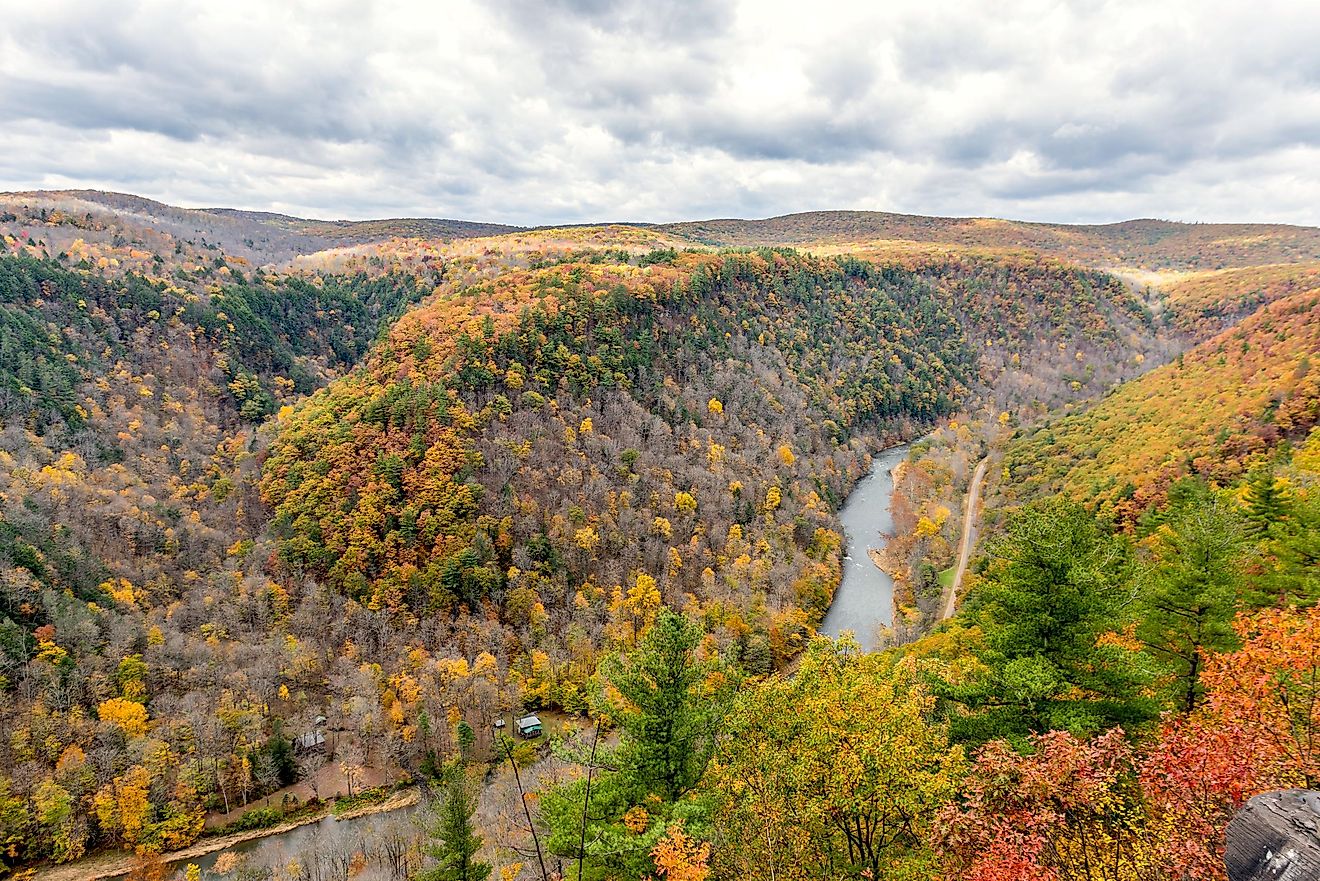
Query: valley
(389,481)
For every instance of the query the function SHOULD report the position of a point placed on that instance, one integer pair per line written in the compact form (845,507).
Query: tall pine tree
(1267,502)
(454,844)
(667,701)
(1057,581)
(1189,594)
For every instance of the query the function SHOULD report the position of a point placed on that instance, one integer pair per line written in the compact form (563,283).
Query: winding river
(864,601)
(863,604)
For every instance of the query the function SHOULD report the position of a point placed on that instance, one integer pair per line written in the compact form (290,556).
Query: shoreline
(112,864)
(877,557)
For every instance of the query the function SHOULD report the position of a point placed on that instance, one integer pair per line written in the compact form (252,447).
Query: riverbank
(115,864)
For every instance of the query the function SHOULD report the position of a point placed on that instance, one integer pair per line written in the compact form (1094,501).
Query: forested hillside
(398,487)
(255,235)
(1146,244)
(1211,413)
(569,433)
(1204,303)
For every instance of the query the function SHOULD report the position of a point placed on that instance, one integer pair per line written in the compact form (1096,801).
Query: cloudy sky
(576,110)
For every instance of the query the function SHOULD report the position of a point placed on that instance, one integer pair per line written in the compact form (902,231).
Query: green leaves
(1189,593)
(1057,582)
(667,699)
(454,844)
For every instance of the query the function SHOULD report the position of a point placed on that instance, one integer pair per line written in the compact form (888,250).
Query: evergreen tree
(1267,502)
(1189,594)
(467,738)
(1057,581)
(668,726)
(669,713)
(1290,570)
(454,843)
(1184,494)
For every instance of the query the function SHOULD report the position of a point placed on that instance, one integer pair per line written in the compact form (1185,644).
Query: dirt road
(968,535)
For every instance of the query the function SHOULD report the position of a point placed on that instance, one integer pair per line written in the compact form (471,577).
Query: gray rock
(1275,837)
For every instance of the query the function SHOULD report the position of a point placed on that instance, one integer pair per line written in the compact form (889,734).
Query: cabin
(305,743)
(312,740)
(529,727)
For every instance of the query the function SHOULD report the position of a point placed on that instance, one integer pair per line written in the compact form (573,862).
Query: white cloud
(578,110)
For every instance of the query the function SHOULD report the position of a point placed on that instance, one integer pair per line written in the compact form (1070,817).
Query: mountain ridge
(1138,242)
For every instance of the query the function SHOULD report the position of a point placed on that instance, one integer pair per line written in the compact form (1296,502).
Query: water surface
(864,601)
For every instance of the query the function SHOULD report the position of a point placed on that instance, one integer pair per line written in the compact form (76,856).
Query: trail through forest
(968,534)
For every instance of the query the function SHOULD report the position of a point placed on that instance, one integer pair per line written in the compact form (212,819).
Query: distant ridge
(359,231)
(1144,243)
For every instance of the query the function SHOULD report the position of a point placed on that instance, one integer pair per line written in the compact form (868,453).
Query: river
(863,604)
(864,601)
(324,841)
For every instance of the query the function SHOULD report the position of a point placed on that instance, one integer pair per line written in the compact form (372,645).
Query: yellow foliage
(121,589)
(123,806)
(642,602)
(586,538)
(1307,457)
(675,561)
(51,653)
(637,819)
(485,665)
(678,858)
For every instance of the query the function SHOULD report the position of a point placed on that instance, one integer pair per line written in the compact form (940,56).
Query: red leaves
(1159,809)
(1270,691)
(1069,804)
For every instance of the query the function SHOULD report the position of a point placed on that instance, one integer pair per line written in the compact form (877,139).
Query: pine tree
(1056,582)
(1188,596)
(454,842)
(1267,502)
(668,726)
(671,703)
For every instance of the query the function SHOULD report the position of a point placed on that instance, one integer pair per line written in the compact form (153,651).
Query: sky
(592,110)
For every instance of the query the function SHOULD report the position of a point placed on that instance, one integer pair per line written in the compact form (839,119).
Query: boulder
(1275,837)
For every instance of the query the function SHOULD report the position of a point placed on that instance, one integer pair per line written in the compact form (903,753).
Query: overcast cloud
(578,110)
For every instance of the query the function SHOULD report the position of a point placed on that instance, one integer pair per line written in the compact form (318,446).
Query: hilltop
(1149,244)
(257,235)
(1145,244)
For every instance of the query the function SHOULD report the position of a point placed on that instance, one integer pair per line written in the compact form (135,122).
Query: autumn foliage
(1108,808)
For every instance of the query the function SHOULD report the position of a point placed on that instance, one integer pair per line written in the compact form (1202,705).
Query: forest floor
(970,513)
(327,783)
